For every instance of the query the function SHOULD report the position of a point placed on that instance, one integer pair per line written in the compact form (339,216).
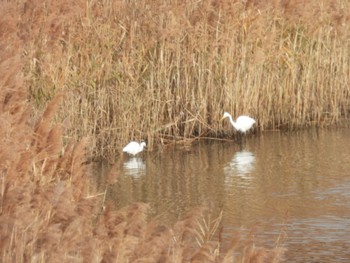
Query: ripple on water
(303,174)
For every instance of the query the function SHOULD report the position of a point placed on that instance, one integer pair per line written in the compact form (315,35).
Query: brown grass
(163,71)
(49,212)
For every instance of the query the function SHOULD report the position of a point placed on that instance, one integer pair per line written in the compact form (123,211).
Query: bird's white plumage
(134,148)
(242,124)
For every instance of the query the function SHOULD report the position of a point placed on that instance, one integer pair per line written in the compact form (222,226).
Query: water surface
(299,182)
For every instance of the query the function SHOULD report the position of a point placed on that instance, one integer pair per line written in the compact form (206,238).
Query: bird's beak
(222,118)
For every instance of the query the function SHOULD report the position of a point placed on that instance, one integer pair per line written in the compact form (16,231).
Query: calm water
(303,175)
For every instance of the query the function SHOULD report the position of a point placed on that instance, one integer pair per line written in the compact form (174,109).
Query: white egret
(242,124)
(134,148)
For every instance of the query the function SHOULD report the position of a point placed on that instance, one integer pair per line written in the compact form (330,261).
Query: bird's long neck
(233,122)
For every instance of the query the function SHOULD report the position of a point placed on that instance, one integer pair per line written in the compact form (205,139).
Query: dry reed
(49,212)
(164,71)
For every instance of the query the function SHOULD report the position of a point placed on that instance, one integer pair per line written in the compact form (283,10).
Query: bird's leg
(239,140)
(244,137)
(239,137)
(240,144)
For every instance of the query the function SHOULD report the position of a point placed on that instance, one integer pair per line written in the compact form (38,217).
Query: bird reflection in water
(241,166)
(135,167)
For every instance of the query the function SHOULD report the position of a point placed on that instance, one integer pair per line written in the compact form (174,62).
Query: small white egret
(242,124)
(134,148)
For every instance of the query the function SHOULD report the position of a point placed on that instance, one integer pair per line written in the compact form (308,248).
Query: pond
(295,182)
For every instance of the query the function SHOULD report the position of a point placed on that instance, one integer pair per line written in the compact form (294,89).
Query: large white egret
(242,124)
(134,148)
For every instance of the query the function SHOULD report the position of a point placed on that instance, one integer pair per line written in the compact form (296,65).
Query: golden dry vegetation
(49,212)
(157,70)
(166,70)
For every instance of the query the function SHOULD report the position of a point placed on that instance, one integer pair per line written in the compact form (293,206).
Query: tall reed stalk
(165,70)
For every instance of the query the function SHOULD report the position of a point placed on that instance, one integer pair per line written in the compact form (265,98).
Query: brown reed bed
(49,212)
(153,70)
(166,70)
